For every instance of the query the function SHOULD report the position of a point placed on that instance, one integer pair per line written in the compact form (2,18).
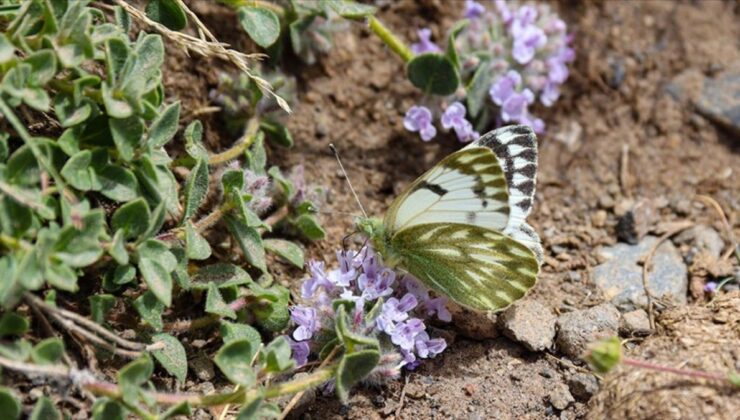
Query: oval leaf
(172,357)
(433,73)
(286,249)
(262,25)
(235,361)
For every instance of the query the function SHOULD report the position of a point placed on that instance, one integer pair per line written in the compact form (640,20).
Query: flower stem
(685,372)
(250,134)
(390,39)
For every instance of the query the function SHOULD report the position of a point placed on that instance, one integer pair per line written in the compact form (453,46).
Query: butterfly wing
(475,267)
(515,147)
(467,187)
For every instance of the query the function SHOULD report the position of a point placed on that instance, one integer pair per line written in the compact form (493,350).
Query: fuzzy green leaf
(194,140)
(177,411)
(123,274)
(133,375)
(222,275)
(132,218)
(277,133)
(105,409)
(249,240)
(286,249)
(196,188)
(9,404)
(168,13)
(118,183)
(13,324)
(262,25)
(61,276)
(78,173)
(231,331)
(100,305)
(158,251)
(127,134)
(172,357)
(117,249)
(235,361)
(115,105)
(7,49)
(272,314)
(68,112)
(48,352)
(310,227)
(433,73)
(150,310)
(351,9)
(278,355)
(196,246)
(477,90)
(164,128)
(215,303)
(45,410)
(353,368)
(158,279)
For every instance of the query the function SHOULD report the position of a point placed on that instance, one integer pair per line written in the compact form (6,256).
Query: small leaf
(117,248)
(734,378)
(604,355)
(231,331)
(150,310)
(132,376)
(451,50)
(100,305)
(277,132)
(118,183)
(123,274)
(77,171)
(132,218)
(105,409)
(278,355)
(127,134)
(251,410)
(353,368)
(48,352)
(45,410)
(262,25)
(309,226)
(350,9)
(168,13)
(249,240)
(178,410)
(43,67)
(477,90)
(273,314)
(215,303)
(196,188)
(158,251)
(172,357)
(155,222)
(235,361)
(114,106)
(11,323)
(286,249)
(433,73)
(164,128)
(158,279)
(194,140)
(220,274)
(9,404)
(7,49)
(61,276)
(68,112)
(196,246)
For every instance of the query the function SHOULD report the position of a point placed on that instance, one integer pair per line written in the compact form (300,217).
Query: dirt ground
(616,108)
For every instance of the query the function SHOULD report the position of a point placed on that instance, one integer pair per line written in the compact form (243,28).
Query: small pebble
(583,386)
(560,397)
(635,323)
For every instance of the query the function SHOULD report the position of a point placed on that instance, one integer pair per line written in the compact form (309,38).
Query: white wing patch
(467,187)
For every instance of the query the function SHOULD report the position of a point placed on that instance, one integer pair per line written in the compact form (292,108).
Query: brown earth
(615,134)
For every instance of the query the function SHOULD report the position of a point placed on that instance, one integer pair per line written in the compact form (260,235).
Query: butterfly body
(460,228)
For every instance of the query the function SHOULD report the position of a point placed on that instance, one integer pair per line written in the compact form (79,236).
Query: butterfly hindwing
(478,268)
(468,186)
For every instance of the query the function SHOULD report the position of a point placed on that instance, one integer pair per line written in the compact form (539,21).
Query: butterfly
(461,227)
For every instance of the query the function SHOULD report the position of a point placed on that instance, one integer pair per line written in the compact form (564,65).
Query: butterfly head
(371,227)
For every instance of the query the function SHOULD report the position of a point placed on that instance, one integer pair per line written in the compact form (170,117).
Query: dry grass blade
(725,223)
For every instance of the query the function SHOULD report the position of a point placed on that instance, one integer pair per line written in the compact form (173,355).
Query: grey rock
(576,330)
(702,237)
(560,397)
(635,322)
(583,386)
(720,100)
(619,277)
(203,367)
(530,323)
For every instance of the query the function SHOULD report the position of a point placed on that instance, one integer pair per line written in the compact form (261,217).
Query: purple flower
(438,306)
(557,70)
(425,45)
(527,42)
(473,9)
(414,287)
(515,106)
(380,285)
(394,311)
(300,351)
(454,117)
(405,333)
(550,93)
(419,118)
(318,279)
(504,87)
(503,11)
(346,272)
(307,321)
(426,347)
(710,287)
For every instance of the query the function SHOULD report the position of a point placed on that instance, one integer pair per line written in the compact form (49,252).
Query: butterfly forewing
(478,268)
(468,186)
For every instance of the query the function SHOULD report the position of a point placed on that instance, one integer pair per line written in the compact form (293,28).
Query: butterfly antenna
(341,167)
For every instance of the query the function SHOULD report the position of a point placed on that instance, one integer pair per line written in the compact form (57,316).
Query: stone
(202,365)
(720,100)
(560,397)
(619,276)
(529,323)
(635,219)
(583,386)
(474,325)
(634,323)
(577,329)
(702,237)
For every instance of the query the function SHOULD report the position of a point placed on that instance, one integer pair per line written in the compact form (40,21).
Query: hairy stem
(250,134)
(390,39)
(684,372)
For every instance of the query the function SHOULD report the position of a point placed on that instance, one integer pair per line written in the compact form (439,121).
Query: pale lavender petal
(473,9)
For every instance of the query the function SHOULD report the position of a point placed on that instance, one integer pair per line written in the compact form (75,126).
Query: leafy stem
(390,39)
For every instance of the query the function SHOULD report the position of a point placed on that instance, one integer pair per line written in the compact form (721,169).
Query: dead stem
(725,224)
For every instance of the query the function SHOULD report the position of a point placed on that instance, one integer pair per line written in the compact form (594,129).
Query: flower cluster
(419,118)
(520,53)
(401,305)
